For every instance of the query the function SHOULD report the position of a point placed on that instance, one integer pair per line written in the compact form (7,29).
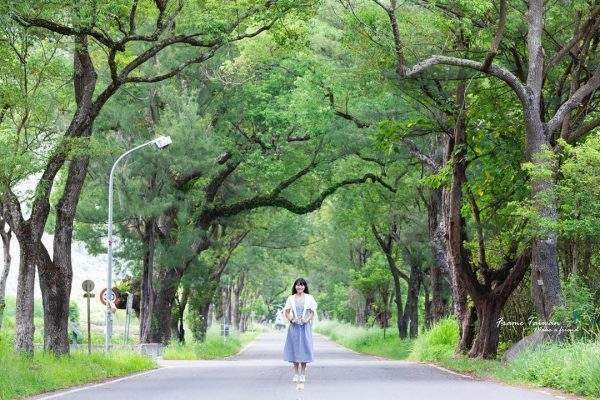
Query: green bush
(366,340)
(214,346)
(437,343)
(578,311)
(335,303)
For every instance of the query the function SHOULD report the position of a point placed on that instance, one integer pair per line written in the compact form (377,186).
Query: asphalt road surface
(258,373)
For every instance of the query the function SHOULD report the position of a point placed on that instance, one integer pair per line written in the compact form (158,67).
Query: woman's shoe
(302,378)
(295,378)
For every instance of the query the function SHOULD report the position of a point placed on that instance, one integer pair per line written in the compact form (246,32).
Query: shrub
(438,342)
(578,312)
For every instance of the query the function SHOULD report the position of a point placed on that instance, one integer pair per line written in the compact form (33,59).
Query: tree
(98,32)
(253,160)
(6,236)
(540,133)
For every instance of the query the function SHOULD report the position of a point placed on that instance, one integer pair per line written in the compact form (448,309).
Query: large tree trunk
(485,343)
(427,307)
(199,308)
(56,275)
(6,236)
(398,300)
(159,328)
(545,285)
(24,327)
(55,285)
(545,277)
(439,266)
(226,304)
(237,301)
(456,148)
(147,287)
(410,318)
(177,329)
(464,314)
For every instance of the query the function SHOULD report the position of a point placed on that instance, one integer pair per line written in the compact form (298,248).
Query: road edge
(524,385)
(74,389)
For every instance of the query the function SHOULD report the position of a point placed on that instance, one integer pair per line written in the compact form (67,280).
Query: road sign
(104,296)
(87,285)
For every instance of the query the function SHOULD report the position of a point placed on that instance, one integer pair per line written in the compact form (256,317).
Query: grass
(370,341)
(96,318)
(42,372)
(213,347)
(572,367)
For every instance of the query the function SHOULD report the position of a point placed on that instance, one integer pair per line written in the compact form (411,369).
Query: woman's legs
(296,367)
(303,368)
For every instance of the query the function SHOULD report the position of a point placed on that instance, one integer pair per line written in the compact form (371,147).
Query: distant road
(258,373)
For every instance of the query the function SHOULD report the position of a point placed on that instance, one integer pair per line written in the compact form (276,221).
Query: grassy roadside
(25,376)
(366,340)
(571,367)
(213,347)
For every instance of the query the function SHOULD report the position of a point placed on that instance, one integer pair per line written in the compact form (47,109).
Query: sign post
(128,308)
(108,298)
(87,287)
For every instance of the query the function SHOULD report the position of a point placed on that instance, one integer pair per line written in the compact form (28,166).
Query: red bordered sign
(103,296)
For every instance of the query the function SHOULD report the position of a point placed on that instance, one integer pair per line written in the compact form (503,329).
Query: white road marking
(82,388)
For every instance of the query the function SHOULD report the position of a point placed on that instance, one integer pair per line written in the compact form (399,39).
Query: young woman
(300,310)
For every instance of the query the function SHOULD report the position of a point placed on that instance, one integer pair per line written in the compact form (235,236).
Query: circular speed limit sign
(87,286)
(104,297)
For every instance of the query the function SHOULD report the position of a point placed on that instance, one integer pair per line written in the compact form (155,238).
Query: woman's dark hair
(302,282)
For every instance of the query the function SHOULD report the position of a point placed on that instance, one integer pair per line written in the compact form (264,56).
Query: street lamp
(160,142)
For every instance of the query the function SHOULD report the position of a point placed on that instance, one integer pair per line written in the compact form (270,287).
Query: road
(258,373)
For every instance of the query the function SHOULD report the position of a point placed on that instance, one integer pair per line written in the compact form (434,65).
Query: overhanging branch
(281,202)
(494,70)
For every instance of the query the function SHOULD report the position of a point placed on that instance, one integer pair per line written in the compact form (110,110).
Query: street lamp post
(160,142)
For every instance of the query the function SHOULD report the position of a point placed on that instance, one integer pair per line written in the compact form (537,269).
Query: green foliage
(578,312)
(214,346)
(45,372)
(578,190)
(437,343)
(334,304)
(73,312)
(573,367)
(371,341)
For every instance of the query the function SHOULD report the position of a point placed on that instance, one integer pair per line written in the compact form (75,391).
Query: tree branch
(174,71)
(213,187)
(497,37)
(67,30)
(359,124)
(480,240)
(280,202)
(583,130)
(590,86)
(419,155)
(233,244)
(494,70)
(574,40)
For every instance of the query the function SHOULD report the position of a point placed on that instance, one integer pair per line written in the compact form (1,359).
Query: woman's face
(299,288)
